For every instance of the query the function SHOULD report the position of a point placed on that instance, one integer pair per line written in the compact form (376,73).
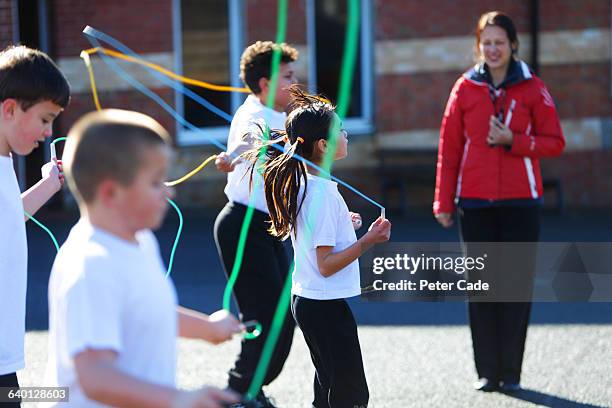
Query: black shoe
(486,385)
(244,403)
(510,387)
(265,402)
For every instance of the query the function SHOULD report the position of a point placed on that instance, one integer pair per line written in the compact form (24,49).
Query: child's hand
(205,397)
(379,231)
(356,219)
(53,173)
(225,325)
(224,162)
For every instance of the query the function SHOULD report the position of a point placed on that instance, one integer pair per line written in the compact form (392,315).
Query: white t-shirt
(237,188)
(323,220)
(13,270)
(108,293)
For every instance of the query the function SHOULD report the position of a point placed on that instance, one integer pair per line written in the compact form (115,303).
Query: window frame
(364,124)
(188,137)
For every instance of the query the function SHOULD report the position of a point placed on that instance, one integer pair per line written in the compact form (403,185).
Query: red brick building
(410,54)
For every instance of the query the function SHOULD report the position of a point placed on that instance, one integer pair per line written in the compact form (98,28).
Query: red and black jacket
(468,168)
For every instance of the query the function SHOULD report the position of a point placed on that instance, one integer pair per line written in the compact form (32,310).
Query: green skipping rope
(244,230)
(348,63)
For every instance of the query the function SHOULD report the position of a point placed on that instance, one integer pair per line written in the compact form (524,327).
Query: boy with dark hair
(33,92)
(265,265)
(113,316)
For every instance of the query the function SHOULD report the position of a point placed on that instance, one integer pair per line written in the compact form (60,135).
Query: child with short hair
(113,314)
(33,92)
(309,208)
(265,265)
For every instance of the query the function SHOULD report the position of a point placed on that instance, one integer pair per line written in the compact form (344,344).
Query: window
(208,43)
(208,46)
(327,22)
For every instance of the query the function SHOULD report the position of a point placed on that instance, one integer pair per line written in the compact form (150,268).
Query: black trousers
(499,329)
(9,380)
(330,332)
(264,269)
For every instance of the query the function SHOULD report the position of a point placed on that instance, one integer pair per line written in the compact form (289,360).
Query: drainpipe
(535,30)
(18,161)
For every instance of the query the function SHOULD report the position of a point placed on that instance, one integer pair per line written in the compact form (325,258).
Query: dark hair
(30,76)
(108,144)
(501,20)
(256,62)
(310,119)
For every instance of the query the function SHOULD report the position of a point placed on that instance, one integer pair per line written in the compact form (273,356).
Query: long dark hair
(309,120)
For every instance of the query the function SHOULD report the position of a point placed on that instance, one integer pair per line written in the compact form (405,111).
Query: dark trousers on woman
(330,332)
(9,381)
(499,329)
(264,269)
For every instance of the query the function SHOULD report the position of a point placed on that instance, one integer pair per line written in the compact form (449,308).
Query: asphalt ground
(415,354)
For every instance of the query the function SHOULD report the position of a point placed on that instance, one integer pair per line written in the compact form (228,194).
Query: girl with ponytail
(308,207)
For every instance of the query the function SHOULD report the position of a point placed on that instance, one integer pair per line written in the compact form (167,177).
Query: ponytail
(282,177)
(309,120)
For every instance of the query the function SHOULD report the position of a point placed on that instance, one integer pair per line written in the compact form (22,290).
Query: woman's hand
(499,134)
(445,219)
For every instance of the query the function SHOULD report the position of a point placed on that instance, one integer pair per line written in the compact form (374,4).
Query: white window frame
(355,126)
(188,137)
(365,123)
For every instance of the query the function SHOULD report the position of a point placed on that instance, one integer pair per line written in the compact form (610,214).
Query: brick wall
(6,23)
(403,99)
(586,177)
(145,29)
(131,100)
(581,90)
(145,26)
(574,15)
(261,16)
(403,102)
(438,18)
(400,19)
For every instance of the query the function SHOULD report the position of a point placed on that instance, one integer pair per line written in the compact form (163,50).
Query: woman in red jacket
(499,120)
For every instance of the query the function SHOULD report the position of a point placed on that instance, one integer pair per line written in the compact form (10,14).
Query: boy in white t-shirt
(33,92)
(265,265)
(113,314)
